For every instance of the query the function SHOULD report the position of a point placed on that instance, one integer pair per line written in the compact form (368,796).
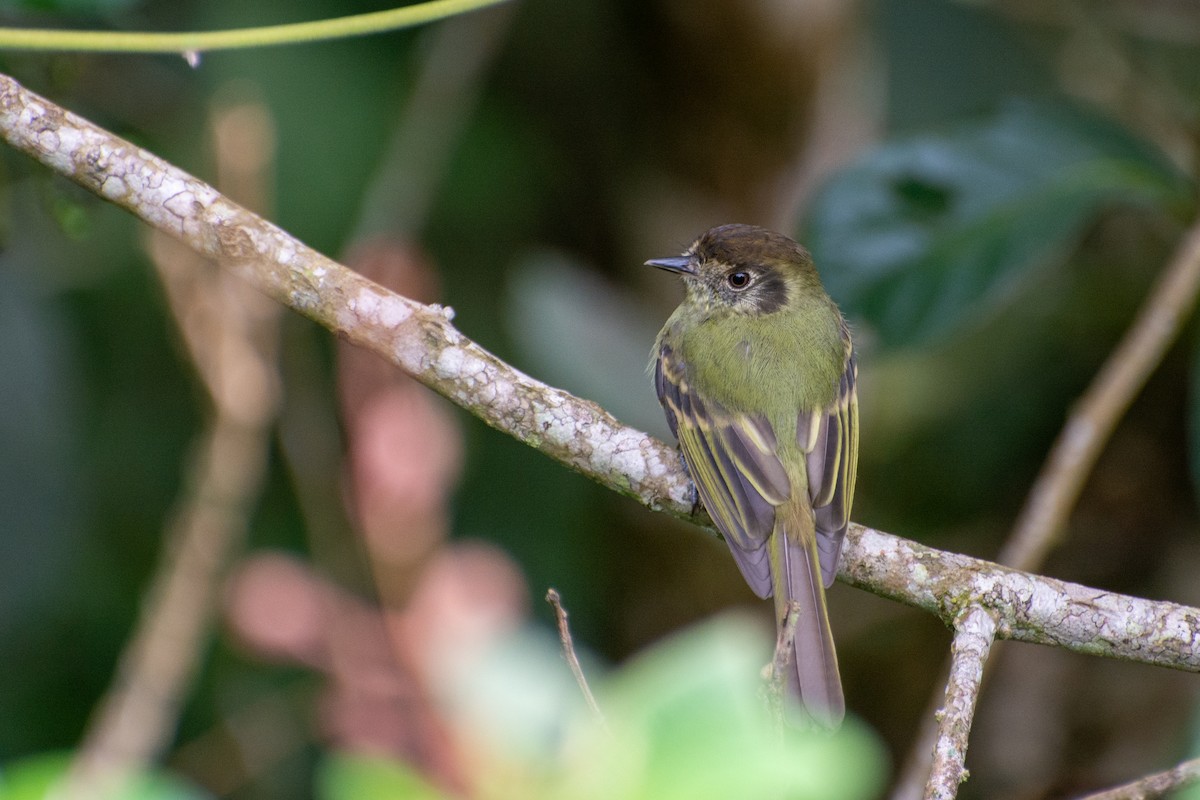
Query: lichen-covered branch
(418,338)
(973,636)
(1153,786)
(1029,608)
(422,341)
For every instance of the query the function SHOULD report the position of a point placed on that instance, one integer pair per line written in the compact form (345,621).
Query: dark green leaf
(927,232)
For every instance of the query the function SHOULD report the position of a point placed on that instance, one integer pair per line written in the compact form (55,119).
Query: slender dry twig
(1153,786)
(1040,524)
(231,334)
(568,646)
(1106,400)
(973,637)
(574,432)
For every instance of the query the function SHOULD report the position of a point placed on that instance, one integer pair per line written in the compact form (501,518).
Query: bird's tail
(796,573)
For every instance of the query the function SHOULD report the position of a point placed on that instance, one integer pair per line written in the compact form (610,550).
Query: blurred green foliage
(686,719)
(990,251)
(928,232)
(35,778)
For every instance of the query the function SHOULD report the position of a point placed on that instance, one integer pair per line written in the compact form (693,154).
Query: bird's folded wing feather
(832,461)
(732,461)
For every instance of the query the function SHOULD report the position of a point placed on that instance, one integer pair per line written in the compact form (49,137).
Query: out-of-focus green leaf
(357,777)
(37,777)
(688,720)
(927,232)
(516,694)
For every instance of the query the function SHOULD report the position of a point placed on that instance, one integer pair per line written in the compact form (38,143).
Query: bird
(757,375)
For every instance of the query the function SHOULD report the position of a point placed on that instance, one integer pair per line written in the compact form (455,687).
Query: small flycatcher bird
(756,373)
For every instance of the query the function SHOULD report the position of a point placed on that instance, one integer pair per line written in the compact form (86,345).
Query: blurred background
(989,189)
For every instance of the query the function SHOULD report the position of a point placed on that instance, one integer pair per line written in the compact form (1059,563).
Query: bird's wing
(830,437)
(732,461)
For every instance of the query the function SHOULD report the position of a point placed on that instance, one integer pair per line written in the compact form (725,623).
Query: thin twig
(973,639)
(577,433)
(1106,400)
(568,646)
(1153,786)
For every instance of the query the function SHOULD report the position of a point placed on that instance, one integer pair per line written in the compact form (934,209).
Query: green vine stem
(192,44)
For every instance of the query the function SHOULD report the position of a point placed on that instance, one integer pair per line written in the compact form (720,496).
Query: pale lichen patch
(32,111)
(181,204)
(630,464)
(47,141)
(408,354)
(457,363)
(488,394)
(450,362)
(365,304)
(553,426)
(362,306)
(61,157)
(114,188)
(393,311)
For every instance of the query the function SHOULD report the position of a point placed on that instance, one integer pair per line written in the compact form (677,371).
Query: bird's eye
(739,279)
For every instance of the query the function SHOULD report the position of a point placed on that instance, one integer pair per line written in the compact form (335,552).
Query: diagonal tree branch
(1151,786)
(1040,525)
(579,434)
(417,338)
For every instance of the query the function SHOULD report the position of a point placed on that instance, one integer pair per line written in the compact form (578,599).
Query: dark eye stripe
(770,292)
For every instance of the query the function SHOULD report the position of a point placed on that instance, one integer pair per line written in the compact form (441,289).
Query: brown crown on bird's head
(744,269)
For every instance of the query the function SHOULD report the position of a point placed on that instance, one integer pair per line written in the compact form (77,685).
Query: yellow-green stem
(205,41)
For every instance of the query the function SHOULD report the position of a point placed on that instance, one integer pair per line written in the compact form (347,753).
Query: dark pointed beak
(682,265)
